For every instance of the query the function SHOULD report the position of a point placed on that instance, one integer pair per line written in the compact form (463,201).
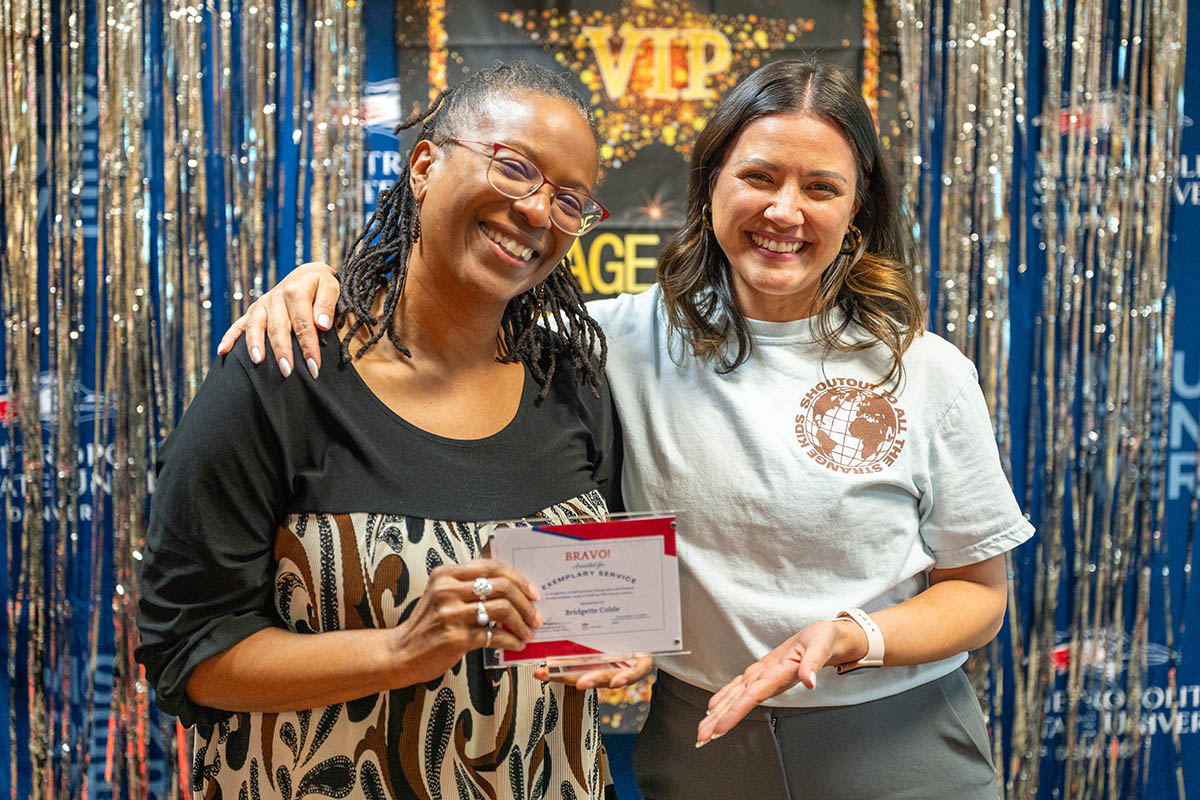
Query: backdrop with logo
(164,165)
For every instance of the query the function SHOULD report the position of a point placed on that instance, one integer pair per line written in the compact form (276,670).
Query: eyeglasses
(513,174)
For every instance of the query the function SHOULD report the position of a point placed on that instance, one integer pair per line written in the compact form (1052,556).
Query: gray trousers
(929,742)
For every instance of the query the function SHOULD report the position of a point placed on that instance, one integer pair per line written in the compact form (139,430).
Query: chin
(774,290)
(780,284)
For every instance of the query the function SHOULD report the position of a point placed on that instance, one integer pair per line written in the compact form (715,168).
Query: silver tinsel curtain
(162,163)
(1041,142)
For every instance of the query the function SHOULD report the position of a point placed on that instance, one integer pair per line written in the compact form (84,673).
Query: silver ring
(483,587)
(481,615)
(488,643)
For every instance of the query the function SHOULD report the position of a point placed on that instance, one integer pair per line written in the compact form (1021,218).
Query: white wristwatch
(874,656)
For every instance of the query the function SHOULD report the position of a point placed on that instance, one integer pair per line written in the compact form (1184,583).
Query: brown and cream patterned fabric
(311,506)
(473,733)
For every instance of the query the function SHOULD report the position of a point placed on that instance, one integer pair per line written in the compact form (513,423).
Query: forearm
(277,670)
(961,610)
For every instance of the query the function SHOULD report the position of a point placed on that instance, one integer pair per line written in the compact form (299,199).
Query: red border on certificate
(621,641)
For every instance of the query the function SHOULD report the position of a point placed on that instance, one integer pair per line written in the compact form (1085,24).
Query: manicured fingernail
(285,367)
(700,744)
(256,355)
(812,677)
(537,595)
(323,321)
(715,736)
(312,366)
(539,620)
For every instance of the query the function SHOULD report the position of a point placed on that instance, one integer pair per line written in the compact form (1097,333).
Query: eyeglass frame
(496,146)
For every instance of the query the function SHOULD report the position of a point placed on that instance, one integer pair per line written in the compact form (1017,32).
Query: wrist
(851,644)
(397,663)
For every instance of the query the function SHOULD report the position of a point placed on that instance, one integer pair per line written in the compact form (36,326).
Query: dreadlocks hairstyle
(868,280)
(540,325)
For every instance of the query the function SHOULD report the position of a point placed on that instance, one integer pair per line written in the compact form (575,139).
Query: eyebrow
(816,173)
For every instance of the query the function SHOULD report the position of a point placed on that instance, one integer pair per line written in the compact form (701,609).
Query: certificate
(610,590)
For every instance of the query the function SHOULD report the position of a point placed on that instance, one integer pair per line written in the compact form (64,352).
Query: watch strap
(874,656)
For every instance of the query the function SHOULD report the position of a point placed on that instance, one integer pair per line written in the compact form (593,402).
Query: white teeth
(776,246)
(511,247)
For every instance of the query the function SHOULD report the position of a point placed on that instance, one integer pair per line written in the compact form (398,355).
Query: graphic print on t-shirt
(846,425)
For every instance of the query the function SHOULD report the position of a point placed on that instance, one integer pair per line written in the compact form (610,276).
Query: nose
(786,207)
(536,207)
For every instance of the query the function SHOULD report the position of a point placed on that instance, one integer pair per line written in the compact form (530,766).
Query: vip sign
(653,71)
(674,63)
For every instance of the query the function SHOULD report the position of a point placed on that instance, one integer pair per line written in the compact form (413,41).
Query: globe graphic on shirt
(851,426)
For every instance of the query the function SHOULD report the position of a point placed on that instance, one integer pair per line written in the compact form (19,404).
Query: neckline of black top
(528,392)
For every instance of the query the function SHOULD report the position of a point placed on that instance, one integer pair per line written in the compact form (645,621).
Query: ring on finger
(482,587)
(481,615)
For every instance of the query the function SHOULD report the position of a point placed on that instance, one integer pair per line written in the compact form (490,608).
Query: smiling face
(489,245)
(782,203)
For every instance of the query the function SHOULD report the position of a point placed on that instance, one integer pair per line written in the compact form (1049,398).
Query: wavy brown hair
(871,284)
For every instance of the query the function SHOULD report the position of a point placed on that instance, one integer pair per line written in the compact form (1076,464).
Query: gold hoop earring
(855,237)
(705,215)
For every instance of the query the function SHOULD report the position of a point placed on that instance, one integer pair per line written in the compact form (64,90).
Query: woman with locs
(844,514)
(314,597)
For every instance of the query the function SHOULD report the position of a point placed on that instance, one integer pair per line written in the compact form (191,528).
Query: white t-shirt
(801,490)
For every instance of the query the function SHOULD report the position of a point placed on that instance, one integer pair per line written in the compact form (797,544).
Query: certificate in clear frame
(610,590)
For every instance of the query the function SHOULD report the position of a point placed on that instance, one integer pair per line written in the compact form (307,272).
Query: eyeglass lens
(515,176)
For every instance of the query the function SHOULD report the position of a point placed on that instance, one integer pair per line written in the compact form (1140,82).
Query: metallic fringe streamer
(181,246)
(331,133)
(25,105)
(216,81)
(918,99)
(1111,85)
(437,39)
(126,317)
(870,61)
(335,116)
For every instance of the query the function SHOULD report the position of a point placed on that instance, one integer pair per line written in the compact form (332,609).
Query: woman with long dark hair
(844,516)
